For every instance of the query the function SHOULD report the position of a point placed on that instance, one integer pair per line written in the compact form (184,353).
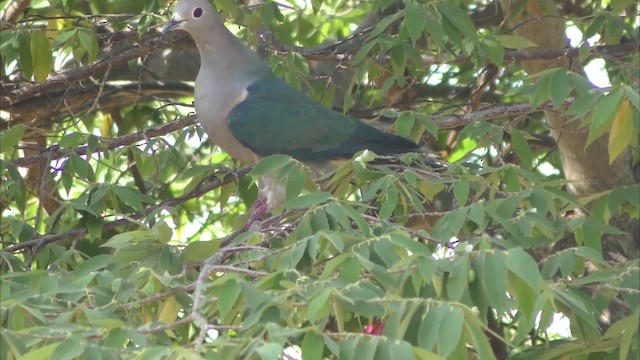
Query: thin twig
(158,297)
(198,297)
(43,185)
(107,143)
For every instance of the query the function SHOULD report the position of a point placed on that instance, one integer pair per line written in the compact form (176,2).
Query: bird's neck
(227,56)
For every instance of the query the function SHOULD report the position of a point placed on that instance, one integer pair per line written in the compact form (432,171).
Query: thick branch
(14,10)
(325,52)
(143,47)
(41,110)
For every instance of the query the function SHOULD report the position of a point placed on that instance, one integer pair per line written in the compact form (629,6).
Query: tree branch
(443,122)
(107,143)
(42,110)
(203,188)
(491,113)
(509,56)
(143,47)
(324,52)
(14,10)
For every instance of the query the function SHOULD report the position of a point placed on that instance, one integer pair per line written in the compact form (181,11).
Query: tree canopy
(124,230)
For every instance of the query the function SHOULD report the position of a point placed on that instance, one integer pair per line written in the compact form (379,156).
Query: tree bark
(588,171)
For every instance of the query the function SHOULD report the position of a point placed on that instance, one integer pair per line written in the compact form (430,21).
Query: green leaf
(461,192)
(316,4)
(389,203)
(364,51)
(476,214)
(307,200)
(73,140)
(64,36)
(312,346)
(398,61)
(494,50)
(526,301)
(459,18)
(26,62)
(458,280)
(129,239)
(429,331)
(583,104)
(565,261)
(81,167)
(583,307)
(92,264)
(494,280)
(479,339)
(400,350)
(453,34)
(429,124)
(515,42)
(44,352)
(292,257)
(319,306)
(10,138)
(358,219)
(590,253)
(632,96)
(41,55)
(623,133)
(450,224)
(415,21)
(89,42)
(295,181)
(404,123)
(198,251)
(522,149)
(427,267)
(368,347)
(270,164)
(350,270)
(560,87)
(77,285)
(450,332)
(384,24)
(348,348)
(523,265)
(228,296)
(625,329)
(603,114)
(131,197)
(71,348)
(434,27)
(403,240)
(197,171)
(270,351)
(421,354)
(542,92)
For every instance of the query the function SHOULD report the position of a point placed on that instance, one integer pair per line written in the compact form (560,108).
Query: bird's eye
(197,12)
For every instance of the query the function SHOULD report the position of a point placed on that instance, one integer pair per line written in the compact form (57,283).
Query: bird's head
(193,16)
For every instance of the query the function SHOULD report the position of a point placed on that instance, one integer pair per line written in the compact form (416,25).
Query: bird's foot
(259,211)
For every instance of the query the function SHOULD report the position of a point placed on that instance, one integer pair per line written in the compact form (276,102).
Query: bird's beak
(173,23)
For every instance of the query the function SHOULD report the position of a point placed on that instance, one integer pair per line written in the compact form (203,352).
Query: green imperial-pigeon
(250,113)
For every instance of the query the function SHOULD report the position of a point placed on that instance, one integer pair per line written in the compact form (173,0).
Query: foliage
(146,253)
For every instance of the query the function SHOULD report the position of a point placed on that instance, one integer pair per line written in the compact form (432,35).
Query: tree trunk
(587,170)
